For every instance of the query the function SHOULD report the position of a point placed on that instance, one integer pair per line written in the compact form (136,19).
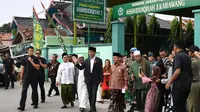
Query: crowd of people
(168,84)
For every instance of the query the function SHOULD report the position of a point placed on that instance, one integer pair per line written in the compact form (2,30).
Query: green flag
(37,32)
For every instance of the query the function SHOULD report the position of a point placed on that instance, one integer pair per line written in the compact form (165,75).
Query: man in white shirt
(65,77)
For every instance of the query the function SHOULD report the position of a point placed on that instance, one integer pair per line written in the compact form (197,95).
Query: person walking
(9,66)
(130,94)
(65,78)
(118,85)
(41,74)
(181,78)
(82,88)
(194,96)
(75,92)
(53,68)
(93,72)
(28,76)
(140,66)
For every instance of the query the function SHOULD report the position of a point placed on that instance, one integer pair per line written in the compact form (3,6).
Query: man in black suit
(93,73)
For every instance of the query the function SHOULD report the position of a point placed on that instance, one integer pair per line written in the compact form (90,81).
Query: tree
(129,31)
(174,30)
(142,32)
(129,24)
(5,28)
(189,34)
(153,26)
(108,34)
(153,30)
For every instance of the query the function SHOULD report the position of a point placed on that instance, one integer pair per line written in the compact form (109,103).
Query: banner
(19,50)
(151,6)
(37,32)
(89,11)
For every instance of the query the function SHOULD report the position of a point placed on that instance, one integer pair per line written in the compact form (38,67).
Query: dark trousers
(42,90)
(25,85)
(164,94)
(74,87)
(9,78)
(53,85)
(92,91)
(140,99)
(179,99)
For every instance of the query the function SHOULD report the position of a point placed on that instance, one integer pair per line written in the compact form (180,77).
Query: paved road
(9,101)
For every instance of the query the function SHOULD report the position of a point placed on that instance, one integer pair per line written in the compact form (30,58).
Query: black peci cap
(92,49)
(64,54)
(117,54)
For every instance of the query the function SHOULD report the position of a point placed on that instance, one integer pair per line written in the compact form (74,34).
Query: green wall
(104,51)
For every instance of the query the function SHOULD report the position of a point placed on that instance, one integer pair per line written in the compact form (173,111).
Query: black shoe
(12,87)
(63,107)
(35,106)
(82,110)
(72,104)
(6,88)
(43,101)
(92,110)
(57,94)
(32,104)
(20,108)
(49,95)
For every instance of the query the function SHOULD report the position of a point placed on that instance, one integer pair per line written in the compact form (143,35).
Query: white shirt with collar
(92,60)
(65,74)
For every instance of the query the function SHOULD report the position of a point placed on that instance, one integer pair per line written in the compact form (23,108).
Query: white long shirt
(92,64)
(65,74)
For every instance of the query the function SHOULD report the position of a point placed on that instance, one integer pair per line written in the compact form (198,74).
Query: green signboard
(89,11)
(150,6)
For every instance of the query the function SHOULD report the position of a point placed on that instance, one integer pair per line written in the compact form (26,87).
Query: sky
(23,8)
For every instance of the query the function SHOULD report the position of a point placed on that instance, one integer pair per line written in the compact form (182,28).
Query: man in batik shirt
(118,85)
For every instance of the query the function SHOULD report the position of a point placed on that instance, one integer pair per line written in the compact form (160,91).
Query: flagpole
(60,39)
(75,36)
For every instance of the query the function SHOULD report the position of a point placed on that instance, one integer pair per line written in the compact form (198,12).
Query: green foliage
(14,32)
(142,26)
(108,34)
(142,41)
(153,26)
(129,25)
(5,28)
(189,34)
(174,30)
(129,32)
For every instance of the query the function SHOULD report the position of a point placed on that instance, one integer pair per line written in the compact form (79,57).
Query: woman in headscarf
(153,95)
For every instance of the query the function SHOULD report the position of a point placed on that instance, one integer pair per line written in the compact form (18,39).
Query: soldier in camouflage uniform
(129,94)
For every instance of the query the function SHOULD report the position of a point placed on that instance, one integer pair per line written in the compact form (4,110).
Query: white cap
(137,53)
(80,55)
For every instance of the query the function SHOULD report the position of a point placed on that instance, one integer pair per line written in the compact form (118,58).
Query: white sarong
(82,90)
(99,93)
